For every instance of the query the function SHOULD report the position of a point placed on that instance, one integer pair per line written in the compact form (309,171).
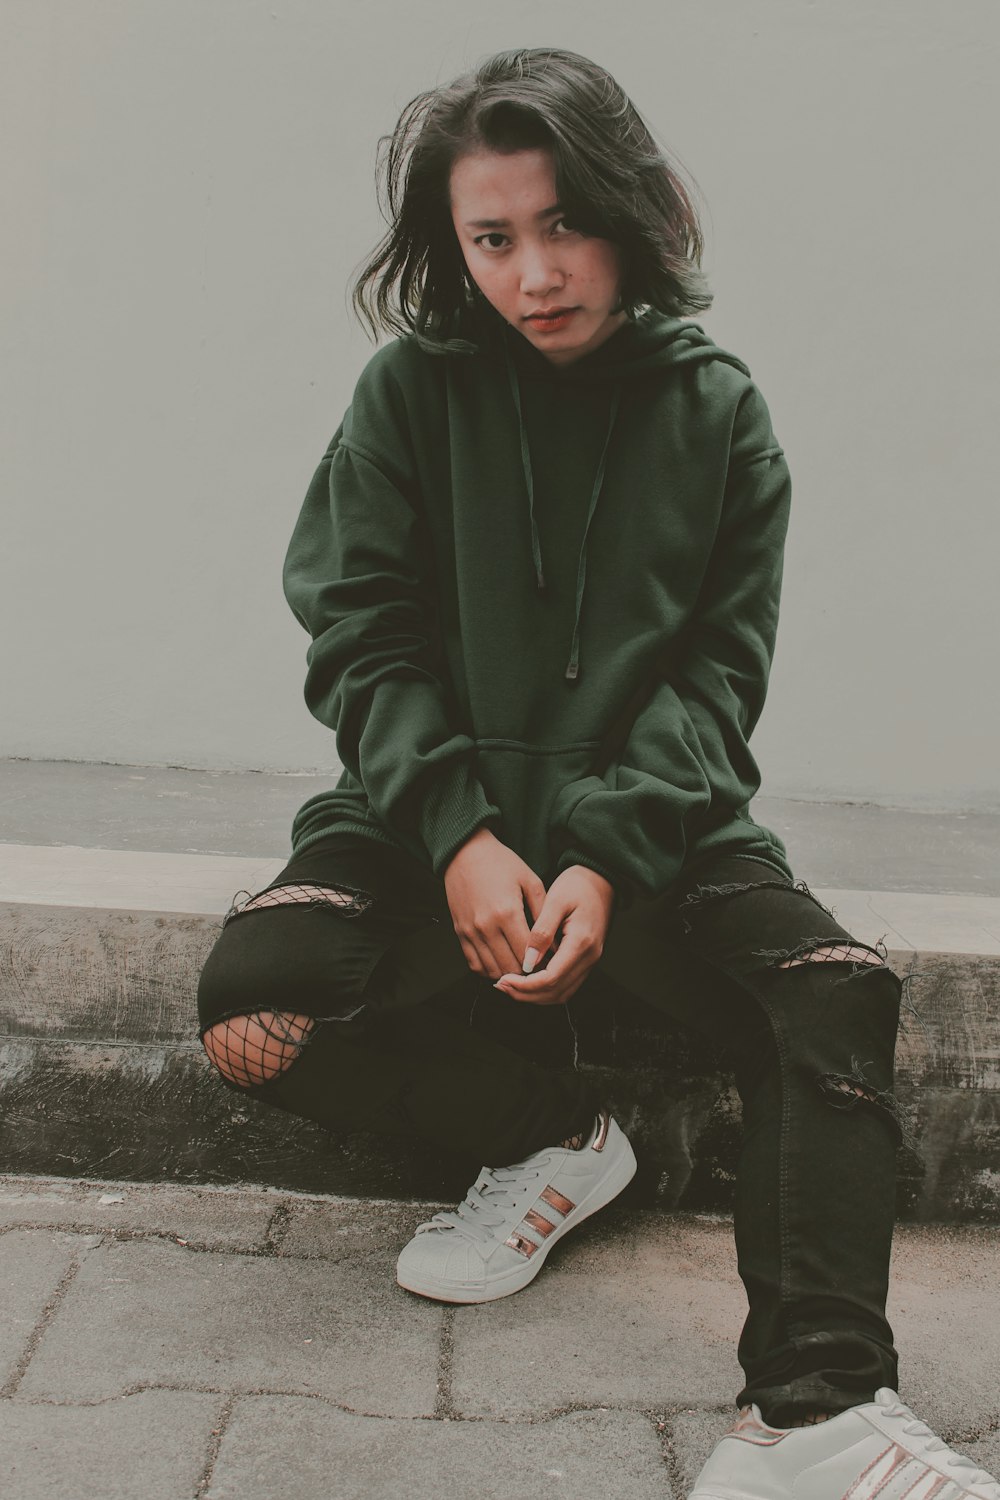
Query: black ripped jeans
(725,951)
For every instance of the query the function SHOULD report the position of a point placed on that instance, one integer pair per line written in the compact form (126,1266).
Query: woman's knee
(255,1046)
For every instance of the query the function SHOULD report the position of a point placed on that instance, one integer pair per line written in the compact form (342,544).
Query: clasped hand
(488,885)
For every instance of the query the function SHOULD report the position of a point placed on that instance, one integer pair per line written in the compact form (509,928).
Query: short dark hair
(612,178)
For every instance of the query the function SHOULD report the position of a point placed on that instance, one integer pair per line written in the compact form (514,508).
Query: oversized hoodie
(544,599)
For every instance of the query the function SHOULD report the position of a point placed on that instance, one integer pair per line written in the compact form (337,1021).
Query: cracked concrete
(188,1341)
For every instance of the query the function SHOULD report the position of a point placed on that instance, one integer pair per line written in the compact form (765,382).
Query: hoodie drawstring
(536,550)
(573,665)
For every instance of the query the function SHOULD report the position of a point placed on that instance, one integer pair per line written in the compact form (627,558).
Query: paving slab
(616,1367)
(222,1218)
(641,1329)
(341,1229)
(310,1450)
(154,1444)
(33,1263)
(942,1284)
(661,1325)
(153,1312)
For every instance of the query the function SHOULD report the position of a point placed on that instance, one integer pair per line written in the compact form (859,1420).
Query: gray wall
(188,187)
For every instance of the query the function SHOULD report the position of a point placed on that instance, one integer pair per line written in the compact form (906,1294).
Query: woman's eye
(496,235)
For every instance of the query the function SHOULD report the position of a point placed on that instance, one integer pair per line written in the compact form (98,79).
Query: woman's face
(526,258)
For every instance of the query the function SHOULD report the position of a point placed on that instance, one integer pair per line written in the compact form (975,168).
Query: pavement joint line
(444,1404)
(665,1415)
(532,1419)
(139,1388)
(668,1452)
(47,1316)
(215,1440)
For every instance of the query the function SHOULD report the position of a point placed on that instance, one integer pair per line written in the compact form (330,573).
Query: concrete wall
(188,187)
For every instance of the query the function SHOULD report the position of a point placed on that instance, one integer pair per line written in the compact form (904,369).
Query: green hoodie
(544,599)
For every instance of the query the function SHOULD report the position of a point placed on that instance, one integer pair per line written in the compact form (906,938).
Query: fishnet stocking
(257,1046)
(837,953)
(252,1048)
(349,903)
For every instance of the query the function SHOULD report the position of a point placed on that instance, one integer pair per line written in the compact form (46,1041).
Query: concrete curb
(101,1072)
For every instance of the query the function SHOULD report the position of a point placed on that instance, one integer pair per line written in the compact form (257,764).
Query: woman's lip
(548,317)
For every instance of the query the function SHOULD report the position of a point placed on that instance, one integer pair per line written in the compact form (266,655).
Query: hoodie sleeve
(357,576)
(687,753)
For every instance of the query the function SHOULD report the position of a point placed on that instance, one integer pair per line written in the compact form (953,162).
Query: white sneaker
(494,1243)
(878,1449)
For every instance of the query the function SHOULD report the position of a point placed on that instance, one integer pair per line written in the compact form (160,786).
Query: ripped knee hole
(834,952)
(256,1046)
(851,1088)
(835,1086)
(348,902)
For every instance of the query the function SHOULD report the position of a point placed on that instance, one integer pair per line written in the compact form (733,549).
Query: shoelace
(915,1428)
(476,1215)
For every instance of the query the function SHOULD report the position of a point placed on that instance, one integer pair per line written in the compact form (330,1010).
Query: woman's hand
(580,902)
(487,885)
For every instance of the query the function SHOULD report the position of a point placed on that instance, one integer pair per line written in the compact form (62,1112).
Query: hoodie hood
(649,346)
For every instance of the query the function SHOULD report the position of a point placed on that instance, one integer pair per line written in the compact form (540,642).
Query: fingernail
(530,960)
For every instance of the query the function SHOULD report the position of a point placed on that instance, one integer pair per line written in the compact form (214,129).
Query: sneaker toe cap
(441,1255)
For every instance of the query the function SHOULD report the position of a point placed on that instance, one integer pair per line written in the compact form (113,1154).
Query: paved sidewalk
(160,1342)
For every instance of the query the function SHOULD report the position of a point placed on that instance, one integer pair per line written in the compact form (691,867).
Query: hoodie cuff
(455,805)
(624,889)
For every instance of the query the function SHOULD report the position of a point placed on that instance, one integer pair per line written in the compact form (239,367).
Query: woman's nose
(539,273)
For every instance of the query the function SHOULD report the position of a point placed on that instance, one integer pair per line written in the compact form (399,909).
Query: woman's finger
(549,985)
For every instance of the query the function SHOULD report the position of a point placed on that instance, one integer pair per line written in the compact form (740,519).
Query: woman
(540,565)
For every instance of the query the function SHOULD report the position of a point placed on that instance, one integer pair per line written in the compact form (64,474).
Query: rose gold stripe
(557,1201)
(537,1221)
(602,1133)
(878,1473)
(921,1489)
(521,1243)
(925,1486)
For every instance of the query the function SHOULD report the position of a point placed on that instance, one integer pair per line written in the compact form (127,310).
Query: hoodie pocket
(524,781)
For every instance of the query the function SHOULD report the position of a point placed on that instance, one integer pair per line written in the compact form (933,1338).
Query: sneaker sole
(718,1495)
(517,1277)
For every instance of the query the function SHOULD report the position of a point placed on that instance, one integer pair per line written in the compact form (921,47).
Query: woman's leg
(812,1017)
(342,1014)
